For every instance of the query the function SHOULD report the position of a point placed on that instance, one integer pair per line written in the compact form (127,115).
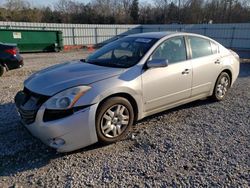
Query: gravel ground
(201,144)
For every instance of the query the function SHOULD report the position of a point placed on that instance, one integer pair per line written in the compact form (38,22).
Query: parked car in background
(73,105)
(9,57)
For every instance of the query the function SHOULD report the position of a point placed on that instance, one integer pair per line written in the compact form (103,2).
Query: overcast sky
(49,2)
(44,2)
(52,2)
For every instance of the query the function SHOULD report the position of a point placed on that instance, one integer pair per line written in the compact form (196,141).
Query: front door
(166,85)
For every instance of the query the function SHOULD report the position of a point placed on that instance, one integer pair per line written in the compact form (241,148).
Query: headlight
(66,99)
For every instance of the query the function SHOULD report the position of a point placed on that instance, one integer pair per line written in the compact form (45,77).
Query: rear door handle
(217,61)
(186,71)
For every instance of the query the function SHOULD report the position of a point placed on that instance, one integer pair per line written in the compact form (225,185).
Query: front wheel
(221,87)
(114,119)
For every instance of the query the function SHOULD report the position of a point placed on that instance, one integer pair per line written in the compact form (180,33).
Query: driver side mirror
(156,63)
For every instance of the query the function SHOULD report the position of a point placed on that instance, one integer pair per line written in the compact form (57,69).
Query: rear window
(200,47)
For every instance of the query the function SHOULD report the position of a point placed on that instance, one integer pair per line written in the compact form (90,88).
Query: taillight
(235,55)
(11,51)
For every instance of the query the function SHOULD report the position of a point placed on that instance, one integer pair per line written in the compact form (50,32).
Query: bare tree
(16,4)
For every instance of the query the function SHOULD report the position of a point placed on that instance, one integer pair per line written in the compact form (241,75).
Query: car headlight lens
(63,102)
(66,99)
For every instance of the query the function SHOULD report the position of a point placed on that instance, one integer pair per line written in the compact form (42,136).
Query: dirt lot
(196,145)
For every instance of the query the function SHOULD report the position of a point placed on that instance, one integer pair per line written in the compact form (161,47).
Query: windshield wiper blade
(105,64)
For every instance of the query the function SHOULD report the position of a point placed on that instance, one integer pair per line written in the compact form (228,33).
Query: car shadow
(18,149)
(193,104)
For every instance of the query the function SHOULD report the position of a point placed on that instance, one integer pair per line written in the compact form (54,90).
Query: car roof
(159,35)
(156,35)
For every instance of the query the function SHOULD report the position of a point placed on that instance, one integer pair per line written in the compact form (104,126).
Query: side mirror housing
(156,63)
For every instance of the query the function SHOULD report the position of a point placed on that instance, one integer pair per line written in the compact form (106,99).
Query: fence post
(73,35)
(141,29)
(116,31)
(96,37)
(205,31)
(232,39)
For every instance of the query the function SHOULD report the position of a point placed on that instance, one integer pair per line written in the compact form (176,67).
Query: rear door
(206,64)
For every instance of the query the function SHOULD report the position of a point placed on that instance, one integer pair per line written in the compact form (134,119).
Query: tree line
(128,11)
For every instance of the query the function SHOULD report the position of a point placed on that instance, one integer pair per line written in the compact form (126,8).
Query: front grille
(28,116)
(28,103)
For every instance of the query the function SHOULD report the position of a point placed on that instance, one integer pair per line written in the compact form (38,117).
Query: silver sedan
(78,103)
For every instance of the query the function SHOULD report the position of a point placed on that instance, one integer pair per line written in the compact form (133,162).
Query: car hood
(63,76)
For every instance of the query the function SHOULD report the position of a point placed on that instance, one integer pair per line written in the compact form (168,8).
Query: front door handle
(217,61)
(186,71)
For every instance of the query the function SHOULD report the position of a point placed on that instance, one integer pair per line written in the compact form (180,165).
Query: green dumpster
(33,40)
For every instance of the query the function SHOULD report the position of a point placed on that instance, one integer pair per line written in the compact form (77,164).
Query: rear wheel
(2,70)
(221,87)
(56,50)
(114,119)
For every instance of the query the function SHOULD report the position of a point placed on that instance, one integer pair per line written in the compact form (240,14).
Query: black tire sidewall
(223,74)
(2,70)
(100,112)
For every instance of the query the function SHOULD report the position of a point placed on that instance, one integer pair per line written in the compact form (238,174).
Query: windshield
(123,53)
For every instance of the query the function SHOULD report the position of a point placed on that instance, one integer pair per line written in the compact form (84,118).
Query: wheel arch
(229,72)
(226,70)
(126,96)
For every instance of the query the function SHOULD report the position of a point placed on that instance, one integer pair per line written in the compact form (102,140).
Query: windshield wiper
(105,64)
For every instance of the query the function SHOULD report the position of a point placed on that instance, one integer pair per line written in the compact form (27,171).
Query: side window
(174,50)
(200,47)
(215,48)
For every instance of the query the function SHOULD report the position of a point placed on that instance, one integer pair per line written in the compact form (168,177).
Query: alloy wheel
(115,121)
(222,87)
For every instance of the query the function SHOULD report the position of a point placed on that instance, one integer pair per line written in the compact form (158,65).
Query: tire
(56,50)
(114,119)
(221,87)
(2,70)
